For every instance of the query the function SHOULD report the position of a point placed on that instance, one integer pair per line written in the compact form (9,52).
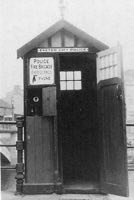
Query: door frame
(62,189)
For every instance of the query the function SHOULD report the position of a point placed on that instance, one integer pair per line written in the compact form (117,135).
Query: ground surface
(8,192)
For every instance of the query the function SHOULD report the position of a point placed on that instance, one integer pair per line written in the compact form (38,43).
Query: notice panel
(41,71)
(63,50)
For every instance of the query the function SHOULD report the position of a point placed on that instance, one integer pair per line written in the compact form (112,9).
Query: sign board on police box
(63,50)
(41,71)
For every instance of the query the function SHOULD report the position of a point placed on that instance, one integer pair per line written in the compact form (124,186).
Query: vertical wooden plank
(56,40)
(52,96)
(75,41)
(45,101)
(47,149)
(56,155)
(38,149)
(49,42)
(25,66)
(30,150)
(69,39)
(62,38)
(98,71)
(49,101)
(57,136)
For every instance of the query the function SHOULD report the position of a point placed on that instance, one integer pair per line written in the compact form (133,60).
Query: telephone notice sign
(41,71)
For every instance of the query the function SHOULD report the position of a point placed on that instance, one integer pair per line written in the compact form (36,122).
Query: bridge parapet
(8,137)
(19,147)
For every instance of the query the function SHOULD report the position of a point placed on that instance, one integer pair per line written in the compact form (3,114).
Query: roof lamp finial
(62,8)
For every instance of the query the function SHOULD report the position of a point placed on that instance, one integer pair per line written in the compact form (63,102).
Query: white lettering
(45,50)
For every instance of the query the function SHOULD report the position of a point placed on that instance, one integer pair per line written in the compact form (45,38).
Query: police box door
(77,112)
(111,104)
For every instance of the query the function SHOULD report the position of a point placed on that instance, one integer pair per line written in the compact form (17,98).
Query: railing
(130,166)
(19,147)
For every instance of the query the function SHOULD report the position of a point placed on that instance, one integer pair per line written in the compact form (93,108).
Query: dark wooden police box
(74,110)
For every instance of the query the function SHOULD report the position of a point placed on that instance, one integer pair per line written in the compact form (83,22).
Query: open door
(112,128)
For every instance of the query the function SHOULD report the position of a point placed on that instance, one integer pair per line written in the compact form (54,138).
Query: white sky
(109,21)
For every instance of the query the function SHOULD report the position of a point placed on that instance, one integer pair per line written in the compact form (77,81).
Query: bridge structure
(8,135)
(8,138)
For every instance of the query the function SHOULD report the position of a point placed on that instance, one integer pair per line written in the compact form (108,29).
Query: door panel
(49,101)
(111,110)
(114,167)
(39,159)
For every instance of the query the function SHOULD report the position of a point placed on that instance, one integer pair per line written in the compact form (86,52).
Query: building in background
(129,90)
(15,98)
(6,111)
(129,93)
(12,105)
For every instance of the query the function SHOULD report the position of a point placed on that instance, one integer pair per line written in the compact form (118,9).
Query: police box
(74,111)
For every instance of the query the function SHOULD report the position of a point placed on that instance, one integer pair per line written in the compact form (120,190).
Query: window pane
(62,76)
(77,75)
(69,75)
(77,85)
(63,85)
(69,85)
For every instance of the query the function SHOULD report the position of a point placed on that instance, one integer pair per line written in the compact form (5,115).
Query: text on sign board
(59,50)
(41,71)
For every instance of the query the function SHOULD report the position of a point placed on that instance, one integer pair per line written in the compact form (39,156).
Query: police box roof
(62,24)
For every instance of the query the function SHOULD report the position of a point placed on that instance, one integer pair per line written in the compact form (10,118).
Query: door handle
(119,93)
(120,97)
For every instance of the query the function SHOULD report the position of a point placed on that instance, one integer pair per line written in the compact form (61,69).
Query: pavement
(9,194)
(12,196)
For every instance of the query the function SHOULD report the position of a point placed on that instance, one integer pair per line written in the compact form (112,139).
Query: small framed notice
(41,71)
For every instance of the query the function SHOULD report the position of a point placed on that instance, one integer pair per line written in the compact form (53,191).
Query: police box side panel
(39,73)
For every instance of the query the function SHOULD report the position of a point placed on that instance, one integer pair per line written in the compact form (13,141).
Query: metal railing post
(19,147)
